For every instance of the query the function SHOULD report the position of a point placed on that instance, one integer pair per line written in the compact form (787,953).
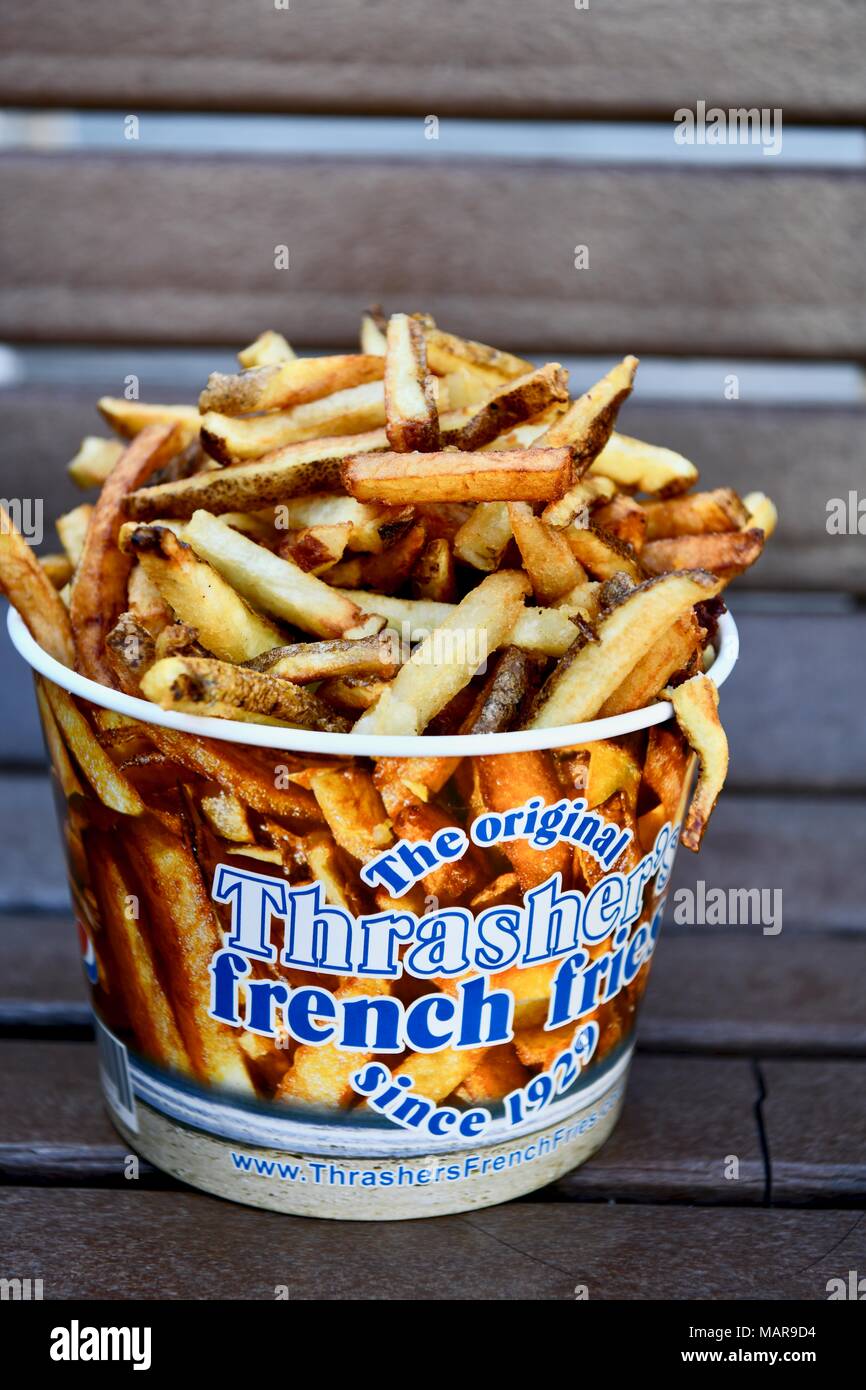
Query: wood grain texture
(682,1119)
(680,261)
(815,1119)
(726,991)
(186,1245)
(637,57)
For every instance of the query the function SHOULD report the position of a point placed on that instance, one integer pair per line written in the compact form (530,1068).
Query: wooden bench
(752,1047)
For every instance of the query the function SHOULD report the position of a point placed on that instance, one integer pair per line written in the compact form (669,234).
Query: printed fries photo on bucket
(331,642)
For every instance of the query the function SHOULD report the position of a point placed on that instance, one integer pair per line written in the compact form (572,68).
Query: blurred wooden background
(155,256)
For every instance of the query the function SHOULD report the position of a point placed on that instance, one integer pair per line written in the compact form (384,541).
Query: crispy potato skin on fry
(99,588)
(723,553)
(28,587)
(695,514)
(510,476)
(206,685)
(287,383)
(696,706)
(411,418)
(506,407)
(510,779)
(673,652)
(587,425)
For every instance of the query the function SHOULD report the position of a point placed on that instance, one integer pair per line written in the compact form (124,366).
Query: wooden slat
(337,55)
(53,1128)
(735,443)
(726,991)
(42,985)
(135,246)
(802,847)
(184,1245)
(815,1120)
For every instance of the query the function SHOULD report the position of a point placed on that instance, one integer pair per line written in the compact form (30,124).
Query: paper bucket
(360,977)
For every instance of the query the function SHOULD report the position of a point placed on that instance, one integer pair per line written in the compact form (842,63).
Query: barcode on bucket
(116,1079)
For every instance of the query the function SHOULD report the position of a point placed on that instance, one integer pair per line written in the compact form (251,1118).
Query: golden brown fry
(695,514)
(316,549)
(388,570)
(696,706)
(546,554)
(373,334)
(99,588)
(287,383)
(129,418)
(186,939)
(761,513)
(352,694)
(136,973)
(482,539)
(227,816)
(507,406)
(605,767)
(353,810)
(94,461)
(110,785)
(664,769)
(601,554)
(512,475)
(581,683)
(623,518)
(587,424)
(448,658)
(72,530)
(433,575)
(411,419)
(400,781)
(28,588)
(724,553)
(370,523)
(352,411)
(275,478)
(447,353)
(268,349)
(436,1074)
(57,568)
(59,757)
(314,661)
(674,651)
(274,583)
(574,504)
(200,685)
(131,651)
(630,463)
(507,780)
(499,1071)
(197,593)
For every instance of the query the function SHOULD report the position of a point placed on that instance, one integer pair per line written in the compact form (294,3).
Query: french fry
(446,352)
(275,478)
(373,339)
(695,514)
(696,706)
(145,601)
(761,513)
(353,411)
(502,694)
(673,651)
(664,769)
(352,694)
(623,518)
(219,689)
(198,594)
(511,779)
(507,406)
(433,575)
(581,683)
(546,555)
(289,383)
(353,811)
(113,789)
(268,349)
(94,461)
(602,554)
(185,939)
(411,419)
(583,601)
(320,1074)
(400,781)
(724,553)
(370,523)
(317,548)
(630,463)
(587,424)
(576,502)
(334,870)
(227,817)
(482,539)
(449,657)
(99,587)
(388,570)
(60,760)
(129,418)
(72,530)
(135,970)
(273,583)
(607,767)
(304,662)
(512,475)
(499,1071)
(544,631)
(131,651)
(58,569)
(413,618)
(28,588)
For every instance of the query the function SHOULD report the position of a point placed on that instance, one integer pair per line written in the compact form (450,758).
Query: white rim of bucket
(362,745)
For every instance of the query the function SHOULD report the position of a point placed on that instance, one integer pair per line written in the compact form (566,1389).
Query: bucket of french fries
(379,692)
